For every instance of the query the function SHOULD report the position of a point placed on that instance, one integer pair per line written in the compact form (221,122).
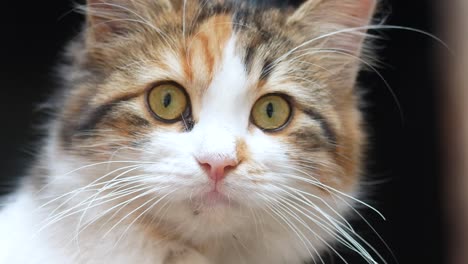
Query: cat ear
(342,22)
(115,17)
(105,18)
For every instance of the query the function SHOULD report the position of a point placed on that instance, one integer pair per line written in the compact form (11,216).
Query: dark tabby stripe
(92,118)
(95,116)
(326,127)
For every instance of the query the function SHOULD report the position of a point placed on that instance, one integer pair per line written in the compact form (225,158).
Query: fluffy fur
(113,184)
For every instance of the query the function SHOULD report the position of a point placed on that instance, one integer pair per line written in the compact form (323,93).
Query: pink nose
(217,167)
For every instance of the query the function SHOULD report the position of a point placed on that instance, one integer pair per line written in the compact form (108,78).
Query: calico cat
(200,131)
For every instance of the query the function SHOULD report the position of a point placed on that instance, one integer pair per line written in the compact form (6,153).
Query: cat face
(207,111)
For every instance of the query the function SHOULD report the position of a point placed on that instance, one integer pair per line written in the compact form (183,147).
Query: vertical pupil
(167,100)
(270,110)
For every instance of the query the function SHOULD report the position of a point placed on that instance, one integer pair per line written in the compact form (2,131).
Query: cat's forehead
(216,67)
(222,60)
(214,43)
(193,51)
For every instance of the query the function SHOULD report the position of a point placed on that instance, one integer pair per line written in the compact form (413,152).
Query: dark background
(404,172)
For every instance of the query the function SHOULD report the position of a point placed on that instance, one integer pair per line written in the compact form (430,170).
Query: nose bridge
(224,113)
(218,141)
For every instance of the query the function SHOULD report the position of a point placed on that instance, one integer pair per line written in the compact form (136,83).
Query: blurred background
(408,181)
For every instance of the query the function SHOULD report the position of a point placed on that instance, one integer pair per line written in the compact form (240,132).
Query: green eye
(168,102)
(271,112)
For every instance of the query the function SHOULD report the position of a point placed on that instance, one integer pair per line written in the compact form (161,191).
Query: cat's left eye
(168,102)
(271,112)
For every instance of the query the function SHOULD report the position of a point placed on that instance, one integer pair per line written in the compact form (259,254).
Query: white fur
(224,116)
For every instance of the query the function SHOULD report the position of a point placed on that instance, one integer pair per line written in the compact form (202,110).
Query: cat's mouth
(213,194)
(214,198)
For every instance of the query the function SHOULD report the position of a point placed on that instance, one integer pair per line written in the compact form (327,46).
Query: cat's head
(212,110)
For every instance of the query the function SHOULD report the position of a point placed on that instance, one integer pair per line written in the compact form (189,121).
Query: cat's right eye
(168,102)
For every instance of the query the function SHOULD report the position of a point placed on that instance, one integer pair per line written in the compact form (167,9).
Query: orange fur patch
(242,150)
(205,48)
